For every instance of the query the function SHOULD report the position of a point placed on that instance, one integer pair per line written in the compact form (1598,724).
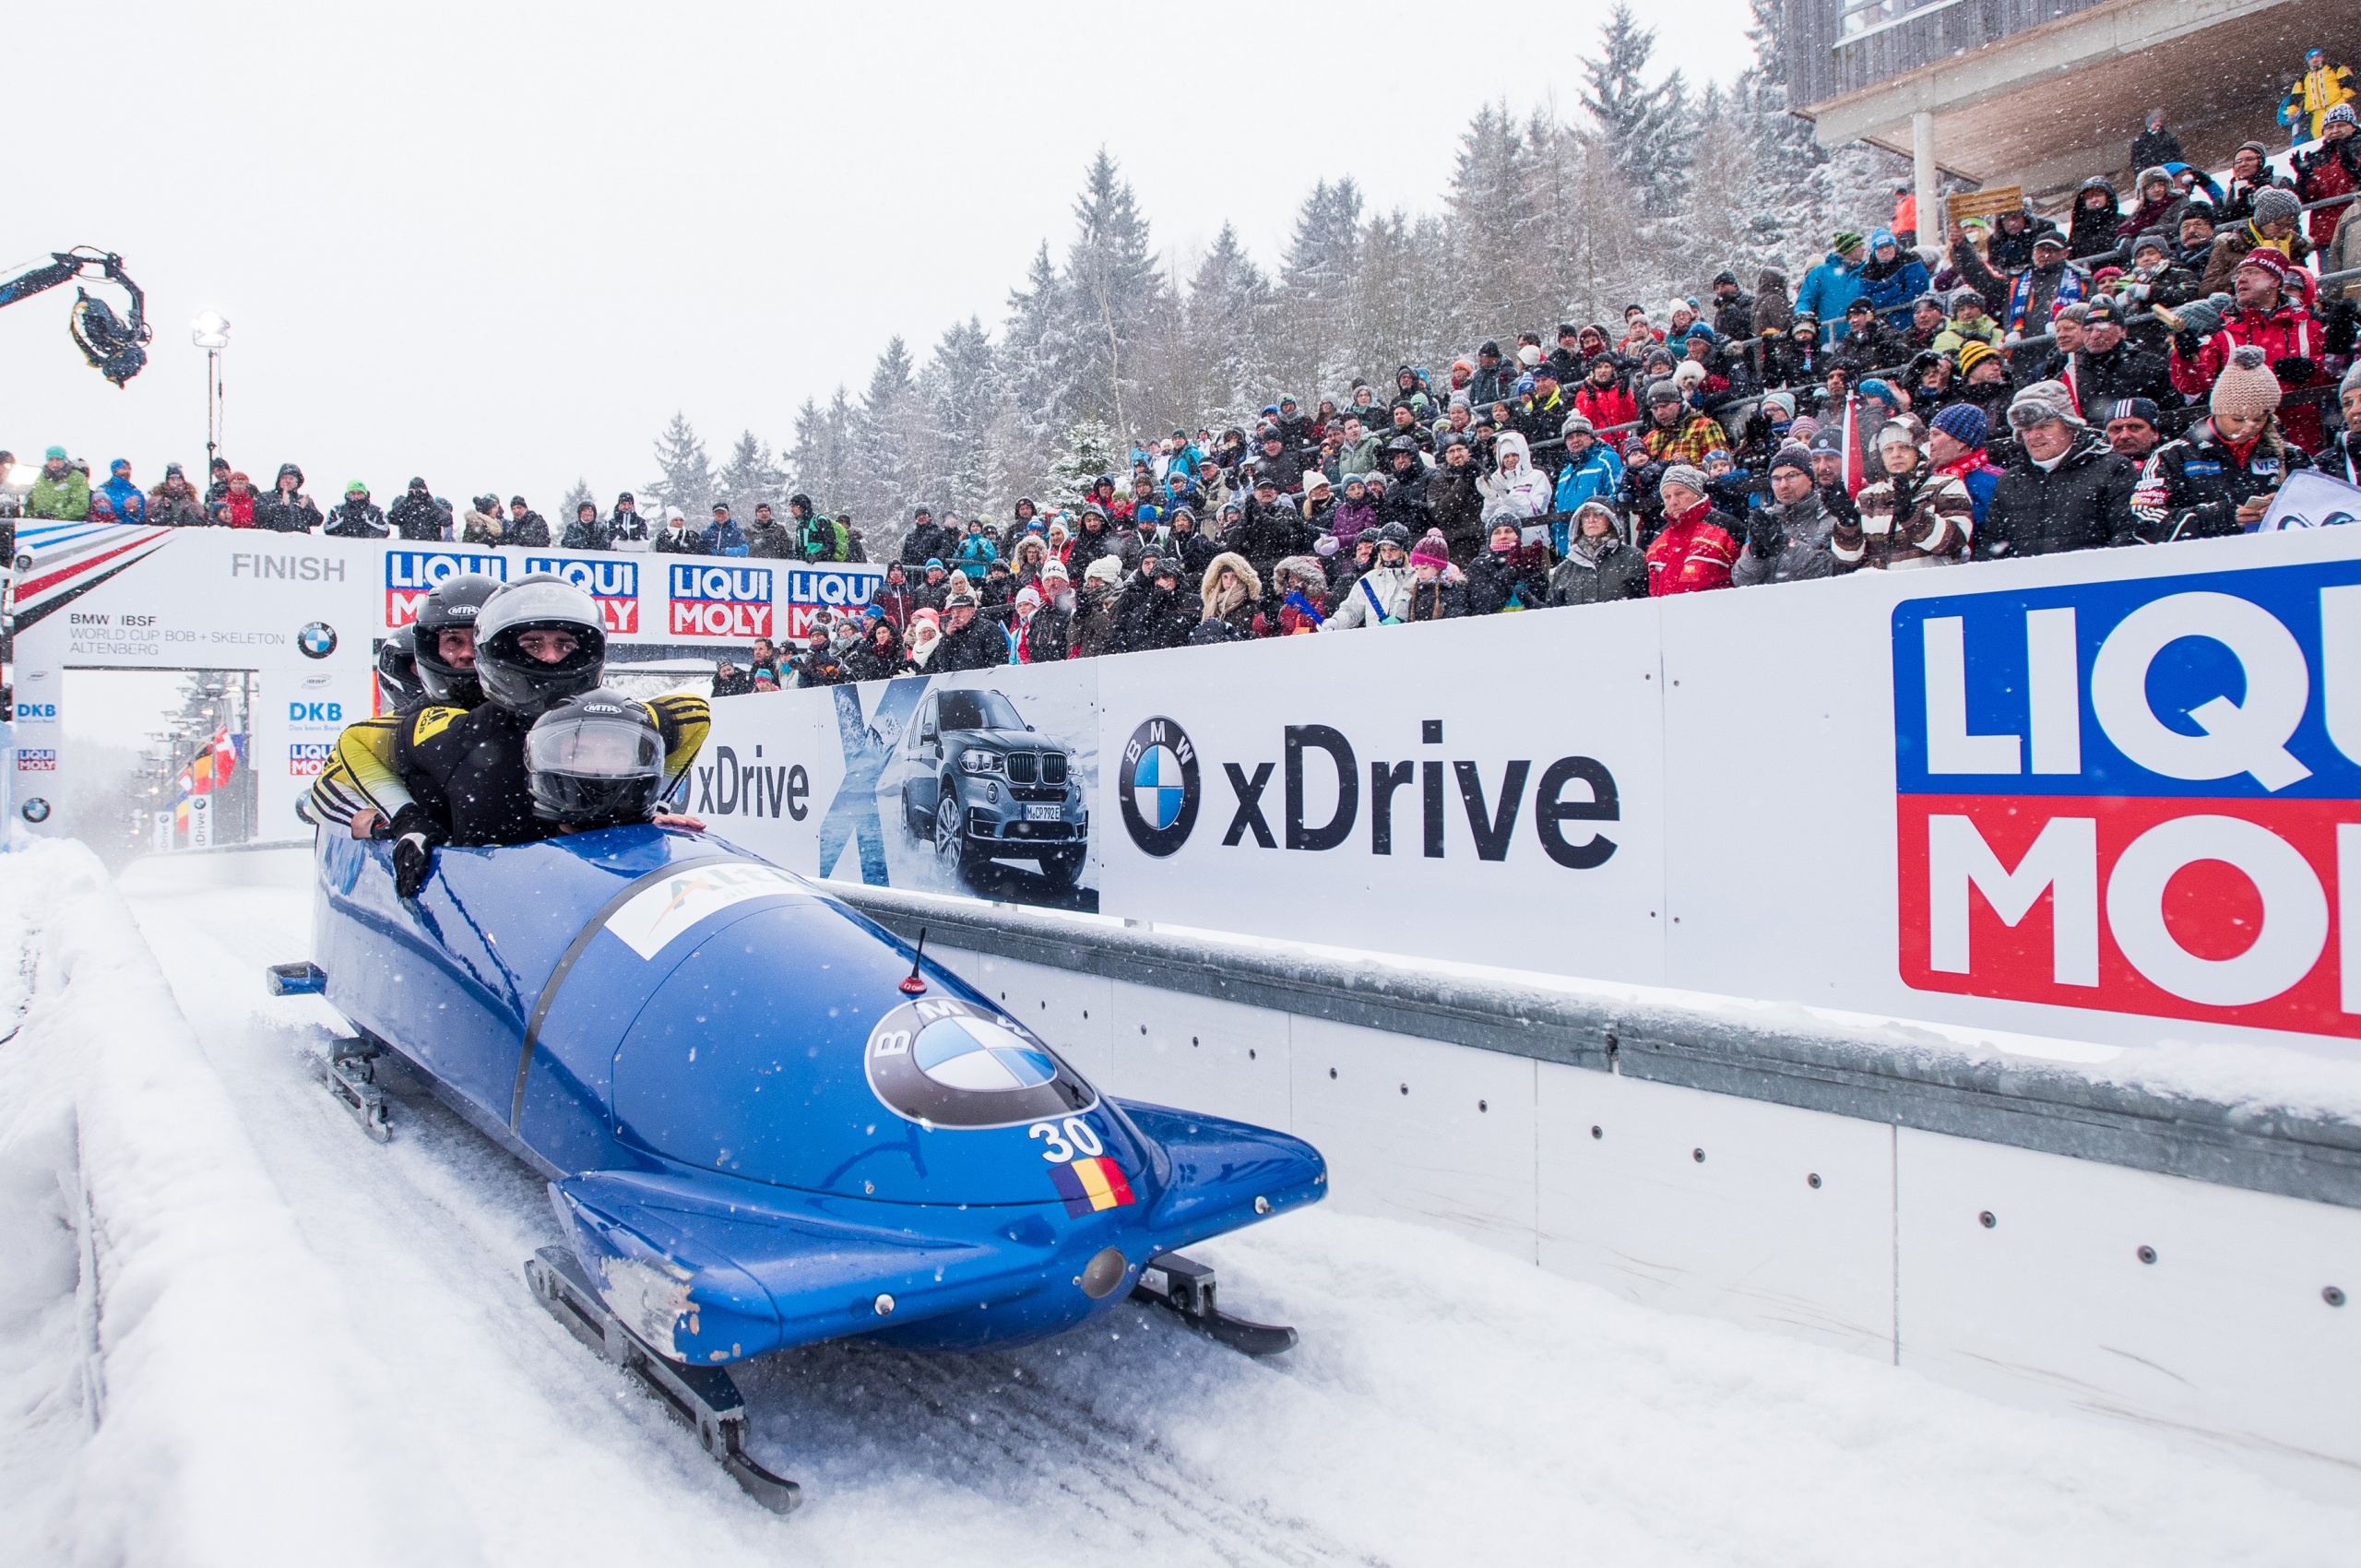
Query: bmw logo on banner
(950,1063)
(1158,783)
(316,640)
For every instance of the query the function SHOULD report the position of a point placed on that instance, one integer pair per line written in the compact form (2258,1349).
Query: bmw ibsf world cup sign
(2142,796)
(614,582)
(720,601)
(410,575)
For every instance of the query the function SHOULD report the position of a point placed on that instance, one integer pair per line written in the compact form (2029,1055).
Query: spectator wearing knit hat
(2067,491)
(1698,545)
(1788,535)
(2219,478)
(2268,315)
(2277,225)
(1955,439)
(2342,458)
(1438,589)
(2134,427)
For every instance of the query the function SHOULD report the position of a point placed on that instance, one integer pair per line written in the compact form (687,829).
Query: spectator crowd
(2145,367)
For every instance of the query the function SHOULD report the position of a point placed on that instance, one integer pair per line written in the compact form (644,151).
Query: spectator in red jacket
(1602,397)
(1696,549)
(2270,315)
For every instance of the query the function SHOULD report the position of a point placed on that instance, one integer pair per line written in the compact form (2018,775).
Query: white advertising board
(305,613)
(2109,796)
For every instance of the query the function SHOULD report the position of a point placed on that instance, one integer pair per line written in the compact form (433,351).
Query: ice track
(1446,1407)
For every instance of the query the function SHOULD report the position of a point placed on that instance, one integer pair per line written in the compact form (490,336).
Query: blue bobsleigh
(765,1120)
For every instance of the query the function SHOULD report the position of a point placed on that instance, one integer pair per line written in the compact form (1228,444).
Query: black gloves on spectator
(415,833)
(1765,536)
(2294,370)
(2343,325)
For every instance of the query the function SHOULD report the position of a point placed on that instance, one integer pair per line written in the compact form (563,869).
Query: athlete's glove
(415,833)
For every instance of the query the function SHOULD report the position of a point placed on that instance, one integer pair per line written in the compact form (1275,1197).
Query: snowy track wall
(175,1349)
(2030,1229)
(2111,797)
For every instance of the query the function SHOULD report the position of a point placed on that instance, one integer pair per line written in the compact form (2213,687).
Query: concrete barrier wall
(1854,1231)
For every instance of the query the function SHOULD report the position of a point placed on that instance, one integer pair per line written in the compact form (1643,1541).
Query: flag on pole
(225,756)
(1855,458)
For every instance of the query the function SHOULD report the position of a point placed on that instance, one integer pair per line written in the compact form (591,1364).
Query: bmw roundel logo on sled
(1158,783)
(316,640)
(950,1063)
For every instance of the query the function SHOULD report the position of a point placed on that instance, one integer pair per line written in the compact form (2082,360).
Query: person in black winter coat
(924,541)
(1510,570)
(356,517)
(2154,147)
(878,656)
(587,531)
(625,527)
(286,509)
(421,516)
(526,526)
(1280,463)
(1192,549)
(969,640)
(1404,501)
(1154,611)
(1733,309)
(1495,378)
(2082,502)
(1270,527)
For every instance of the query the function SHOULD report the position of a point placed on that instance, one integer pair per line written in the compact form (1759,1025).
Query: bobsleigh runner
(765,1120)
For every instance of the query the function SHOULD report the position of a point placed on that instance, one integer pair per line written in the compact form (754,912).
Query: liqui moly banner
(2137,795)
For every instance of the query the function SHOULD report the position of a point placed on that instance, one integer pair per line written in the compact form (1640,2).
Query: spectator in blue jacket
(1593,472)
(1891,280)
(1832,285)
(130,501)
(724,537)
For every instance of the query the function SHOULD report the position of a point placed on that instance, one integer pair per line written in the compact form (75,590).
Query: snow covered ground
(235,1330)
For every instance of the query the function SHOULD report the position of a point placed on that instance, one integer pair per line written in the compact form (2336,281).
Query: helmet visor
(595,746)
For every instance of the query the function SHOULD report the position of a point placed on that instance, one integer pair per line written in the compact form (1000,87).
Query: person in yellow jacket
(2320,88)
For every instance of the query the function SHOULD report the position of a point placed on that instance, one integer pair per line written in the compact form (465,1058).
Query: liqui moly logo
(720,601)
(613,583)
(308,759)
(410,575)
(2142,796)
(811,589)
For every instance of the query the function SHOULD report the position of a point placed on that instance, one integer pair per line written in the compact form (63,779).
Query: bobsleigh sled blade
(704,1399)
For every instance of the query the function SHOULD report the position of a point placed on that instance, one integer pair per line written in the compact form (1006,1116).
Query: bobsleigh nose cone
(1102,1274)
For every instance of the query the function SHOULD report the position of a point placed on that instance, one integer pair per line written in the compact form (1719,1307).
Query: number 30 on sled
(765,1120)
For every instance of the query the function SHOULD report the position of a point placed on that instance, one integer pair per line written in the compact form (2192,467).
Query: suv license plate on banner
(1042,814)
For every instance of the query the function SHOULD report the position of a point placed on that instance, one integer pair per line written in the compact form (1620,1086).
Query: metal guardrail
(1928,1083)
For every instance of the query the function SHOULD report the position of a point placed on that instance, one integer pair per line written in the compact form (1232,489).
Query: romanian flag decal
(1090,1183)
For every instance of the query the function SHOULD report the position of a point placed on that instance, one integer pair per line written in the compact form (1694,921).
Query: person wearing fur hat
(1698,545)
(2068,490)
(1230,595)
(2275,225)
(1909,516)
(2270,315)
(1787,537)
(2219,478)
(1299,589)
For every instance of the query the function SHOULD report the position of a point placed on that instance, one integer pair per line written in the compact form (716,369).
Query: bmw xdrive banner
(1342,789)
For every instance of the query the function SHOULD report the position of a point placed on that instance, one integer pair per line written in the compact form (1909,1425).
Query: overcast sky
(498,244)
